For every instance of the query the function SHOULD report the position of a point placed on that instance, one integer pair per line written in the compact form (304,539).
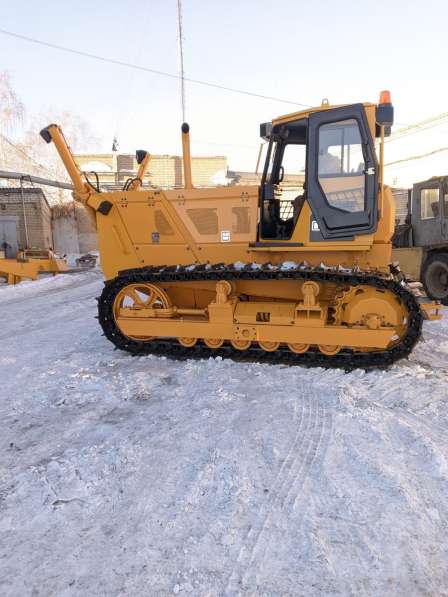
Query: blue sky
(302,51)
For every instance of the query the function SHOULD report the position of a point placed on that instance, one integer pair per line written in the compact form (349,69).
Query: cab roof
(306,113)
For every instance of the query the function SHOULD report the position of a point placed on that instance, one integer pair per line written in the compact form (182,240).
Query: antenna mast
(181,58)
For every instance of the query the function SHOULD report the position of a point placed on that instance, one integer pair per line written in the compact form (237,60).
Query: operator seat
(297,206)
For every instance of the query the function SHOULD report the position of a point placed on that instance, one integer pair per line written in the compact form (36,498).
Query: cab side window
(429,203)
(293,178)
(341,165)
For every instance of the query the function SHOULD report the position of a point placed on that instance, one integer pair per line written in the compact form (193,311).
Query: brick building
(25,220)
(165,171)
(402,199)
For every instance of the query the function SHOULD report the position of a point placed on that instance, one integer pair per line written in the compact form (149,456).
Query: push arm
(54,133)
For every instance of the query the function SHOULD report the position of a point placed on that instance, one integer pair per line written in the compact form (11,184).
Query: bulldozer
(245,272)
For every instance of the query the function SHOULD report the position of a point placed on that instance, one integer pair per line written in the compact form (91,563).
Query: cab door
(342,173)
(427,214)
(444,200)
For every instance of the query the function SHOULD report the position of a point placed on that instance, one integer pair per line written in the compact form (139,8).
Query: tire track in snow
(289,486)
(256,529)
(315,452)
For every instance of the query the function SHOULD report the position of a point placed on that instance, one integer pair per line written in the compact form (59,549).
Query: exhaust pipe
(188,184)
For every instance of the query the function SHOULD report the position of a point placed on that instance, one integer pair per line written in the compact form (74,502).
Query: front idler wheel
(134,297)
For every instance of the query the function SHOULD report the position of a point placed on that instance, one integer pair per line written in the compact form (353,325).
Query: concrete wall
(87,236)
(73,232)
(65,234)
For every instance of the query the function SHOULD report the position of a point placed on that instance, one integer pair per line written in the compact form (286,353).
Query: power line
(217,143)
(148,70)
(418,127)
(417,157)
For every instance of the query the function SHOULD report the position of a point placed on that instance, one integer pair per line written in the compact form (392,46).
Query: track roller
(240,344)
(298,348)
(269,346)
(328,349)
(213,342)
(187,342)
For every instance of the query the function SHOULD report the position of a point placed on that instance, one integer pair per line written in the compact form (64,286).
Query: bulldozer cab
(333,152)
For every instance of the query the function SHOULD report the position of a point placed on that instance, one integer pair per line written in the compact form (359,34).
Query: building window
(429,204)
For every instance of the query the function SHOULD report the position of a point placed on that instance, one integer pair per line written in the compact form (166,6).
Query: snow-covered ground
(140,476)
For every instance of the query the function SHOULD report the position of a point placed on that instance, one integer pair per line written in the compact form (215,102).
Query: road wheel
(269,346)
(214,343)
(328,349)
(240,344)
(187,342)
(435,276)
(298,348)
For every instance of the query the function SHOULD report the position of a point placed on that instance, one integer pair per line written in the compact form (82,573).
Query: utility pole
(181,59)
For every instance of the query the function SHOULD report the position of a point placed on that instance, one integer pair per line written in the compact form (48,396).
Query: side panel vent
(162,224)
(263,317)
(241,220)
(205,219)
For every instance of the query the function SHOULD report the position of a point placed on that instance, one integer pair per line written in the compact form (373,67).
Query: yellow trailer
(29,264)
(14,271)
(46,260)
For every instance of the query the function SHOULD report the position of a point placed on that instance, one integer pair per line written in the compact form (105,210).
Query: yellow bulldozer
(246,272)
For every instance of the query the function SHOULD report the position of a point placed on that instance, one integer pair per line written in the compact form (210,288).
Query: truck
(421,241)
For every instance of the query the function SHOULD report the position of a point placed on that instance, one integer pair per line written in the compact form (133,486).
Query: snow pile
(220,178)
(144,476)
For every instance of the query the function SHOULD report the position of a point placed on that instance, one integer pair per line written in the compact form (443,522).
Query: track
(346,359)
